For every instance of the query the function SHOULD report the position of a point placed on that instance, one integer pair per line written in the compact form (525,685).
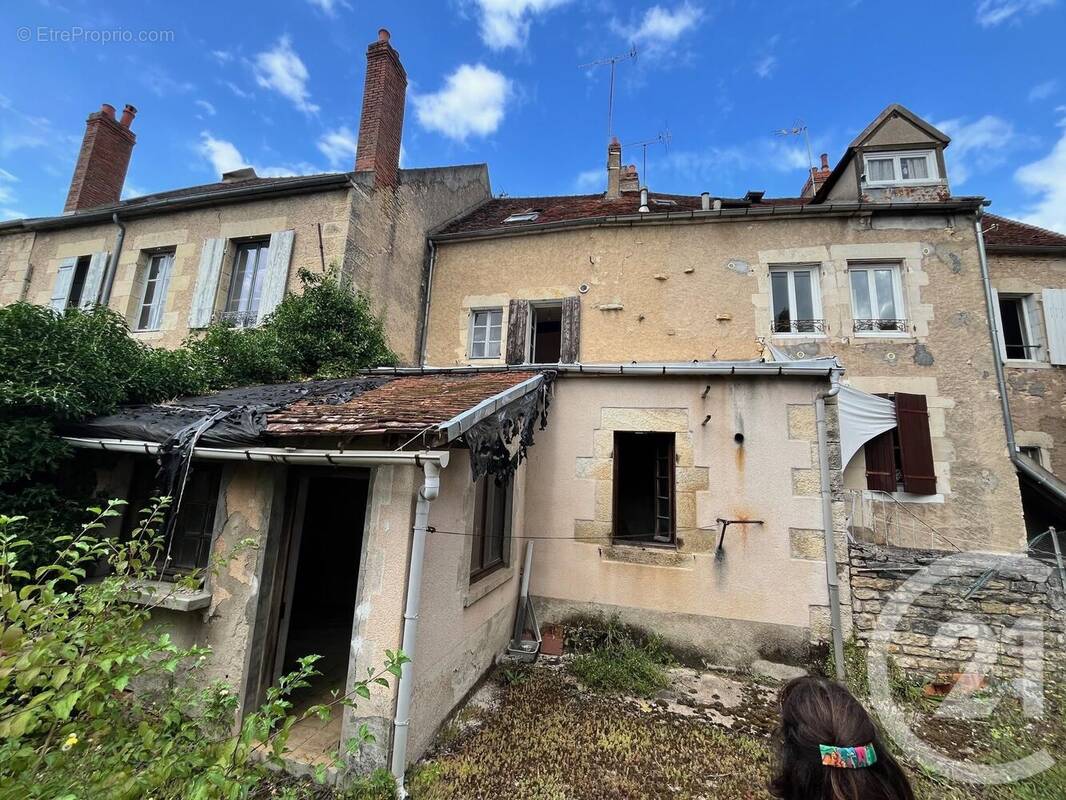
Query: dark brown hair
(817,711)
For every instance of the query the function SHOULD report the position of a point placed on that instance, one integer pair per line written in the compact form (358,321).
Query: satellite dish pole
(612,60)
(663,137)
(799,127)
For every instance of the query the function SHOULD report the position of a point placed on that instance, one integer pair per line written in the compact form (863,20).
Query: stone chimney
(817,177)
(614,169)
(103,160)
(381,125)
(630,179)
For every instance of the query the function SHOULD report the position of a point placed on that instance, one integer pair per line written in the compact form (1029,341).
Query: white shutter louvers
(277,274)
(61,288)
(1055,321)
(203,299)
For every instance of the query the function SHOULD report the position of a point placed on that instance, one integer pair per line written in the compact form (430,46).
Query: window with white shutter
(1054,301)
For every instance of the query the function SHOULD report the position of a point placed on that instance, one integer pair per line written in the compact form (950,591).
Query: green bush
(621,670)
(70,651)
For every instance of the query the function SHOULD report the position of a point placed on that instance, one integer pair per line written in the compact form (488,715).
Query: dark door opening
(546,333)
(644,487)
(318,605)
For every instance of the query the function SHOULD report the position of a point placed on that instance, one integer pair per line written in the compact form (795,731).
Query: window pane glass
(477,350)
(779,292)
(880,169)
(804,295)
(913,168)
(1014,335)
(886,301)
(860,294)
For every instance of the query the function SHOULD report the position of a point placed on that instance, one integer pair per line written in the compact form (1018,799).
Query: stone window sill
(646,555)
(164,594)
(1026,363)
(905,497)
(493,580)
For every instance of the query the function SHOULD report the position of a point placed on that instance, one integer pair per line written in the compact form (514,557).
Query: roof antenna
(799,127)
(612,60)
(664,138)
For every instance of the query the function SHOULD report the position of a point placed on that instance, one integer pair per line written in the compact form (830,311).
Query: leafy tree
(70,651)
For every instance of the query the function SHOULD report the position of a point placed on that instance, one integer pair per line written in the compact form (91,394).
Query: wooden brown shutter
(570,342)
(517,339)
(916,447)
(880,463)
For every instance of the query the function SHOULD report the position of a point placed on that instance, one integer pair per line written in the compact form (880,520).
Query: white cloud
(282,70)
(339,146)
(222,56)
(7,196)
(471,103)
(720,166)
(591,180)
(225,157)
(161,83)
(237,90)
(993,12)
(208,107)
(1046,178)
(977,146)
(660,26)
(765,66)
(1042,91)
(130,190)
(329,7)
(506,23)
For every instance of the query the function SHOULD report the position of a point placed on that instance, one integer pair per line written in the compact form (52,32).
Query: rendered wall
(767,595)
(702,291)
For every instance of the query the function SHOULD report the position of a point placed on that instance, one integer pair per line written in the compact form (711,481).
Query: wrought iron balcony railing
(878,325)
(798,326)
(238,319)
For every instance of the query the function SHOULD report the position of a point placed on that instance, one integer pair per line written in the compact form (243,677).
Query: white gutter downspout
(831,580)
(402,723)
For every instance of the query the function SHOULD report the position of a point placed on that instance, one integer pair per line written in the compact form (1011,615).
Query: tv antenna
(799,128)
(663,137)
(612,60)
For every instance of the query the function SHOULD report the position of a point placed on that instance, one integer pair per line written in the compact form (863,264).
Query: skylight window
(528,215)
(657,202)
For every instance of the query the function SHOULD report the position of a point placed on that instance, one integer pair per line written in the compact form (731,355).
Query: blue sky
(278,86)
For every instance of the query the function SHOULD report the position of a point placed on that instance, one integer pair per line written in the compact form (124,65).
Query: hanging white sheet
(862,417)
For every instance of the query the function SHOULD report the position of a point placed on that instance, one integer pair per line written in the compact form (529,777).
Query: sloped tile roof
(1003,232)
(559,208)
(405,404)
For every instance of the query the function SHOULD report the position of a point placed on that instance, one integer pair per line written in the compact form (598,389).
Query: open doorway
(318,605)
(643,488)
(546,333)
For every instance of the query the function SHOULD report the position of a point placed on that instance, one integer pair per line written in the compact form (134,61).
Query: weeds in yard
(623,670)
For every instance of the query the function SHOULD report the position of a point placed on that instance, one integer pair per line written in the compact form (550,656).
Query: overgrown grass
(378,785)
(616,658)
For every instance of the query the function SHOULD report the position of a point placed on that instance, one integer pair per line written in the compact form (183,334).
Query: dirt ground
(535,733)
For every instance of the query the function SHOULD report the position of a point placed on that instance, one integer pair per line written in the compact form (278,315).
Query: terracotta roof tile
(405,404)
(558,208)
(1003,232)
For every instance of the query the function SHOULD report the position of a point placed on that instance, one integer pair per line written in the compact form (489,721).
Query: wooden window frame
(531,329)
(487,492)
(245,315)
(488,326)
(817,323)
(159,286)
(901,459)
(668,537)
(869,268)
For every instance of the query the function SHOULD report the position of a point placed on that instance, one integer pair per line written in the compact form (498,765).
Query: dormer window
(528,215)
(909,166)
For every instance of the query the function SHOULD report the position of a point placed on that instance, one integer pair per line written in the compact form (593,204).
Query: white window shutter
(203,298)
(277,275)
(159,300)
(94,279)
(1055,322)
(61,288)
(999,327)
(1036,333)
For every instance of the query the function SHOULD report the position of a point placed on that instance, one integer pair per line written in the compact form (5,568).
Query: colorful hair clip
(848,757)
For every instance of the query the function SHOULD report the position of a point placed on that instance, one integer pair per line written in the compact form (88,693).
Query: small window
(77,283)
(661,202)
(246,283)
(156,278)
(1033,453)
(796,300)
(546,331)
(643,488)
(901,459)
(490,548)
(529,215)
(486,333)
(189,545)
(913,166)
(876,296)
(1017,331)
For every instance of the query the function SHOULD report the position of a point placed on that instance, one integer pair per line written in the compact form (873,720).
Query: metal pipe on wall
(112,266)
(831,579)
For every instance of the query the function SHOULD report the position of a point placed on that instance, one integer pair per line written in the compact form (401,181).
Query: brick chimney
(817,177)
(614,169)
(630,179)
(103,160)
(381,125)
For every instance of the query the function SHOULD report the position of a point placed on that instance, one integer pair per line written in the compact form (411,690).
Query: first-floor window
(486,333)
(188,547)
(1018,332)
(156,278)
(796,301)
(643,487)
(492,525)
(876,297)
(901,459)
(246,283)
(545,333)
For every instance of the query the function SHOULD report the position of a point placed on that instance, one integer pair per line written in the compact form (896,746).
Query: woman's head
(817,712)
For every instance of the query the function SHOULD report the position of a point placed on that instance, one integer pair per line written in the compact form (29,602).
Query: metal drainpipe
(112,267)
(993,333)
(401,724)
(831,580)
(425,309)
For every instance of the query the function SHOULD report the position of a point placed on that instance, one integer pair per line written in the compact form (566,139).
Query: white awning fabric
(862,417)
